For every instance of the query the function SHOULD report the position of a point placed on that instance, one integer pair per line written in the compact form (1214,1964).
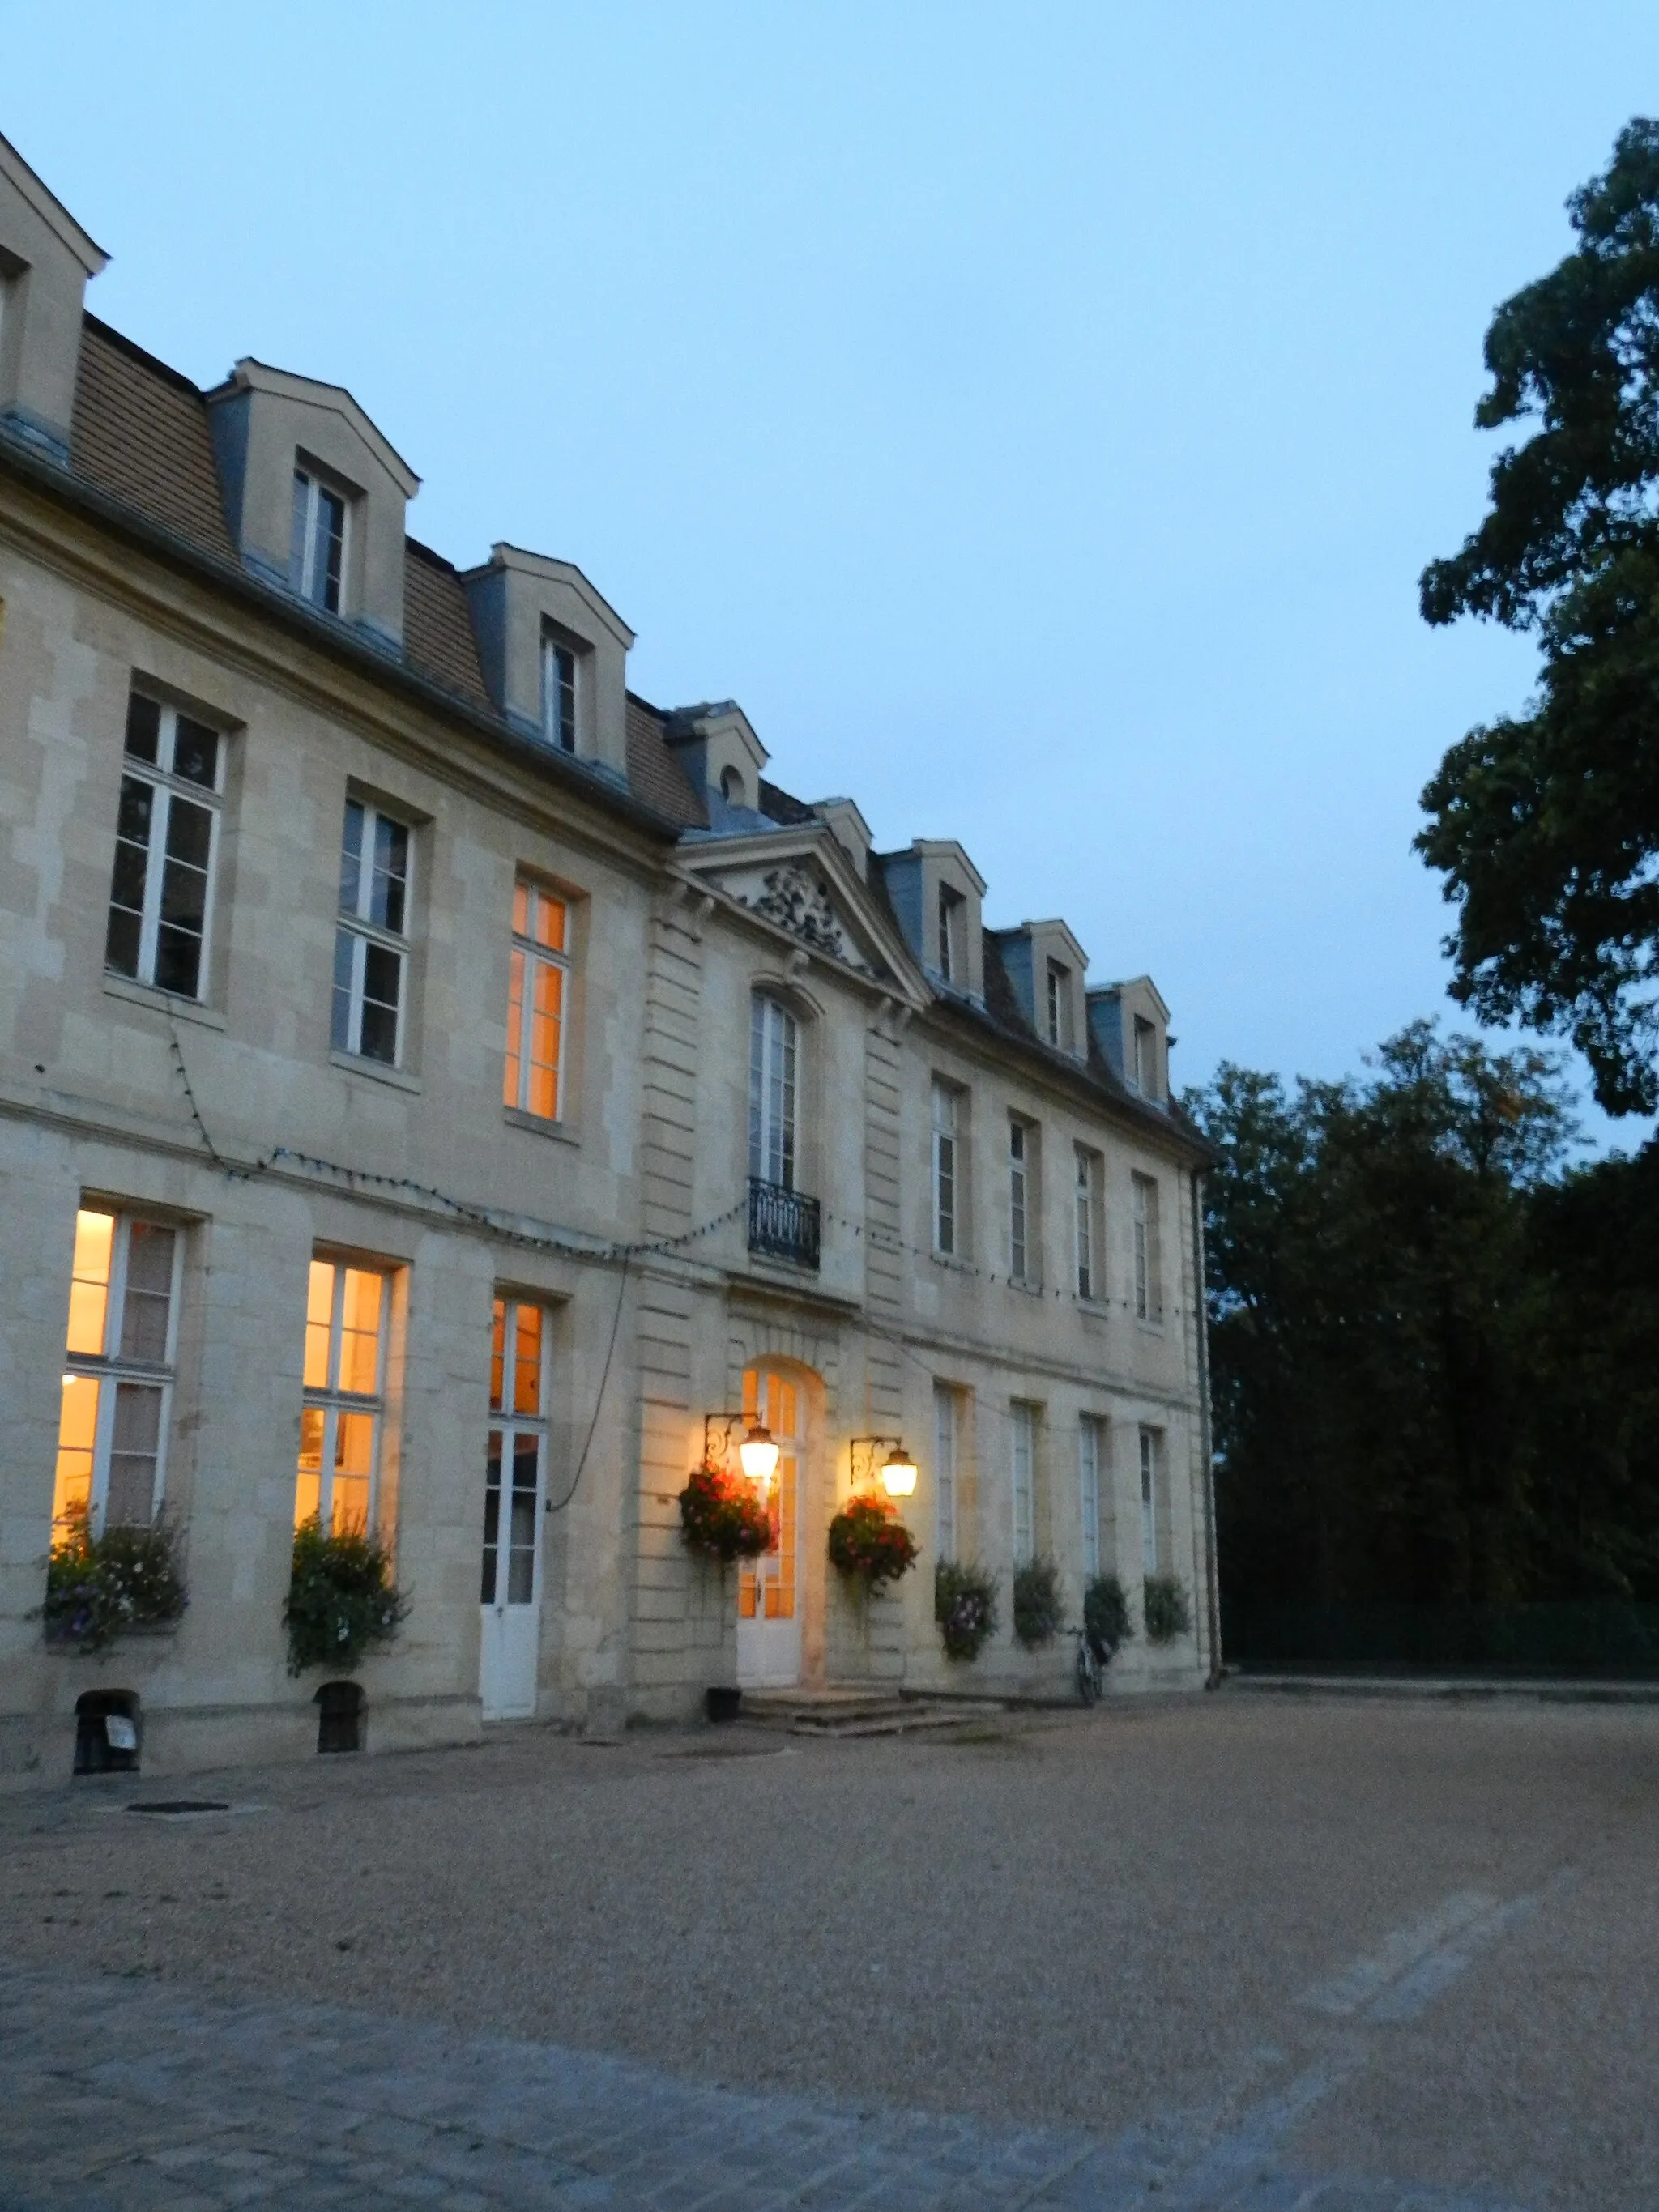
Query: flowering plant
(723,1514)
(867,1538)
(97,1586)
(965,1607)
(341,1598)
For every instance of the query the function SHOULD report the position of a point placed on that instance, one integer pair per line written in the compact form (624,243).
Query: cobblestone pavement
(119,2099)
(1242,1952)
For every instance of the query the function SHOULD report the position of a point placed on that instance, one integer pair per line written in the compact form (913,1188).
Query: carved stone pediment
(795,892)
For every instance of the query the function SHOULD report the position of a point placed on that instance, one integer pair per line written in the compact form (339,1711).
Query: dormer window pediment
(554,654)
(937,893)
(1047,966)
(1130,1023)
(45,259)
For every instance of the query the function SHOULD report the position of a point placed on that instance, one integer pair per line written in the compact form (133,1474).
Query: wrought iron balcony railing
(782,1223)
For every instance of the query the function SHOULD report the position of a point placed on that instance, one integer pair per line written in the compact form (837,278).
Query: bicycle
(1092,1658)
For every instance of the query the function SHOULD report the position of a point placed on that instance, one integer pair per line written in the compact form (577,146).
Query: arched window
(732,785)
(774,1045)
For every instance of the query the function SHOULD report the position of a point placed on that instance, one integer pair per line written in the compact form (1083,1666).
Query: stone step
(857,1712)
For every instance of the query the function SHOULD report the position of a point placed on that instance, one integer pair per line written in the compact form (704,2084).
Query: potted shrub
(341,1599)
(722,1516)
(1038,1618)
(869,1543)
(1164,1608)
(965,1607)
(1107,1621)
(99,1588)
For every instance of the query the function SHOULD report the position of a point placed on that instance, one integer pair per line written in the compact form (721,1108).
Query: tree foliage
(1546,824)
(1434,1348)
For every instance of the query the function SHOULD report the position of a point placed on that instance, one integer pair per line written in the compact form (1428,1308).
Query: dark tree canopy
(1547,825)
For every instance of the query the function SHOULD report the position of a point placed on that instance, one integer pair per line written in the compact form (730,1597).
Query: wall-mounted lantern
(756,1447)
(898,1469)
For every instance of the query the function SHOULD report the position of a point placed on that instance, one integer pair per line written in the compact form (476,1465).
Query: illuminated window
(346,1313)
(371,943)
(515,1462)
(167,835)
(536,1003)
(118,1371)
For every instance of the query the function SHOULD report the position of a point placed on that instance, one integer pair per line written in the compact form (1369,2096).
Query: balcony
(782,1224)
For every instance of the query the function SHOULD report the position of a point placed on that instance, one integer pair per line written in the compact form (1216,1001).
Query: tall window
(558,694)
(1022,1420)
(535,1003)
(514,1469)
(344,1395)
(118,1370)
(1019,1164)
(1149,1500)
(1145,1057)
(166,835)
(773,1045)
(1149,1266)
(316,561)
(1059,1006)
(1090,1458)
(945,1143)
(945,1425)
(952,935)
(1086,1226)
(371,943)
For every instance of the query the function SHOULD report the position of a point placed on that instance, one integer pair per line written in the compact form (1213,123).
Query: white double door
(768,1588)
(510,1590)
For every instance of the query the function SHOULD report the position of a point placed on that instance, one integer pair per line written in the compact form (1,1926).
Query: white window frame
(1087,1230)
(1146,1211)
(167,789)
(1020,1148)
(1151,1472)
(1091,1461)
(108,1366)
(945,1114)
(330,1400)
(952,935)
(1145,1055)
(947,1434)
(509,1426)
(1022,1469)
(556,731)
(773,1092)
(533,950)
(1059,1006)
(354,922)
(305,581)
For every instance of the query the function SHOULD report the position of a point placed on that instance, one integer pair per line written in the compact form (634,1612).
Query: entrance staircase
(864,1712)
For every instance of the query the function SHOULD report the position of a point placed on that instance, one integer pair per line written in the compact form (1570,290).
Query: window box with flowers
(124,1583)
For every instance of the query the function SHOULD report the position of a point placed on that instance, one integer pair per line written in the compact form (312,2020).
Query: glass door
(768,1594)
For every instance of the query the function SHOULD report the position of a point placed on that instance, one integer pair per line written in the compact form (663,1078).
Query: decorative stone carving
(799,902)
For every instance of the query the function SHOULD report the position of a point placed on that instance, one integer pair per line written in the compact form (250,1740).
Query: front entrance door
(514,1485)
(768,1594)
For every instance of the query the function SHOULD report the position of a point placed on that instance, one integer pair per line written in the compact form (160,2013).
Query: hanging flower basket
(965,1607)
(868,1541)
(722,1516)
(99,1588)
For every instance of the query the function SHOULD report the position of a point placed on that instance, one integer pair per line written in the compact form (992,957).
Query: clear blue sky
(1036,416)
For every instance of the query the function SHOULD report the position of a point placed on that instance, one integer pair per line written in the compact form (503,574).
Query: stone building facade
(438,1089)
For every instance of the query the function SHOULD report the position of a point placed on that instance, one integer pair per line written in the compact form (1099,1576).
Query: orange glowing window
(117,1389)
(536,1004)
(346,1310)
(519,1332)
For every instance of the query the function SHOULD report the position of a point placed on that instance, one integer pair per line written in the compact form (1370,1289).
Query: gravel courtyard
(1235,1950)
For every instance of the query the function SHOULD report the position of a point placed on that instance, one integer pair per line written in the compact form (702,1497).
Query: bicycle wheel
(1088,1688)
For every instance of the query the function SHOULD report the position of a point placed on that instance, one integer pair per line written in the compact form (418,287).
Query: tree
(1546,824)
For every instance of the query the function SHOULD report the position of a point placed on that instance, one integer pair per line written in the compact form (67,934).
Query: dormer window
(952,935)
(317,559)
(558,694)
(732,785)
(1146,1058)
(1058,1031)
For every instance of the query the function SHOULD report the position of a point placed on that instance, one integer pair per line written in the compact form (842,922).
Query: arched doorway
(770,1594)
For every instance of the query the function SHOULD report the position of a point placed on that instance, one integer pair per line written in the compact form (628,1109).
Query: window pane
(549,922)
(351,857)
(360,1332)
(354,1459)
(77,1433)
(178,960)
(521,1555)
(149,1292)
(320,1315)
(121,942)
(544,1034)
(296,553)
(143,728)
(331,550)
(521,910)
(497,1354)
(527,1361)
(382,977)
(95,1239)
(134,1443)
(195,752)
(510,1086)
(492,1517)
(385,904)
(345,957)
(308,1494)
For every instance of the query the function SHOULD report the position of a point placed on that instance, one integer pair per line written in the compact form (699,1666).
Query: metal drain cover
(181,1805)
